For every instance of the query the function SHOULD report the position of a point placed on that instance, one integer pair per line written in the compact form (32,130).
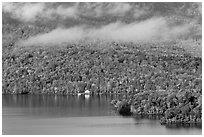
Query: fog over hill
(126,22)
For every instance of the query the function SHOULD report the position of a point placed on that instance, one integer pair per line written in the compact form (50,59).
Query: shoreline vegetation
(159,78)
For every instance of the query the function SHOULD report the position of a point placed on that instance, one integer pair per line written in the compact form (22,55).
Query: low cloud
(26,12)
(66,12)
(127,22)
(30,12)
(145,31)
(118,8)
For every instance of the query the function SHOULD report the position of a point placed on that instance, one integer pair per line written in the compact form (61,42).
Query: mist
(148,30)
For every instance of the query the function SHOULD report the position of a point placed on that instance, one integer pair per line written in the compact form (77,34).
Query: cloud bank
(30,12)
(151,29)
(127,22)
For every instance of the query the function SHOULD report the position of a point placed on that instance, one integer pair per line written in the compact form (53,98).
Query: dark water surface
(57,114)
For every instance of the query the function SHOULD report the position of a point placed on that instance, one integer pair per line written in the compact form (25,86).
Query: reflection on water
(58,114)
(59,106)
(168,126)
(151,117)
(188,125)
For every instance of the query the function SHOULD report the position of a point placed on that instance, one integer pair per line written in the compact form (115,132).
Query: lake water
(58,114)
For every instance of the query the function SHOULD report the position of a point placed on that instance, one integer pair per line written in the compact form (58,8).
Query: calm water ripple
(57,114)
